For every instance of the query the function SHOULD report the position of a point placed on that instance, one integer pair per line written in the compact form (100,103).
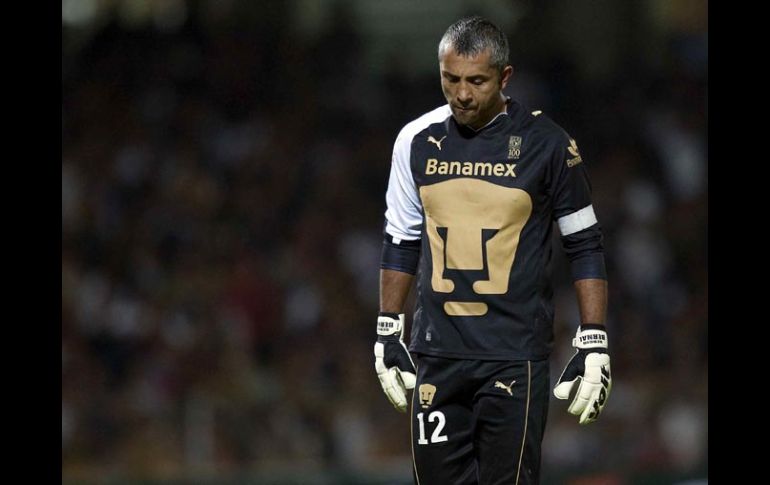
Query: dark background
(224,165)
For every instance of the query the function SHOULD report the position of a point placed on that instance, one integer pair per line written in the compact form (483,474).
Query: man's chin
(466,118)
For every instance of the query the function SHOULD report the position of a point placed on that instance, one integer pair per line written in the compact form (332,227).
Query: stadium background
(223,172)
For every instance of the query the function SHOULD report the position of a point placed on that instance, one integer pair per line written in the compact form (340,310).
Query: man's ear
(506,76)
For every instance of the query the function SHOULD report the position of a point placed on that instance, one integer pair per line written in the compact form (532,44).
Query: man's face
(472,87)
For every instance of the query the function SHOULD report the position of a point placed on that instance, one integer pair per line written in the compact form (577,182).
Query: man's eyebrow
(472,76)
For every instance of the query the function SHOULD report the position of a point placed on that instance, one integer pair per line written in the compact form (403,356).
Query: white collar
(503,112)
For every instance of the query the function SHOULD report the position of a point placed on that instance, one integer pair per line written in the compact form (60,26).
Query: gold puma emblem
(427,391)
(503,386)
(437,142)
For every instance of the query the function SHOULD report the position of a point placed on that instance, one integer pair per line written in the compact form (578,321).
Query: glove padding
(590,366)
(392,361)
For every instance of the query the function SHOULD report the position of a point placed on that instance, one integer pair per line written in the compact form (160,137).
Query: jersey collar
(504,111)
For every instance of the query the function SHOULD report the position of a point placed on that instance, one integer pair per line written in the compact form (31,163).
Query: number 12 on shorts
(436,437)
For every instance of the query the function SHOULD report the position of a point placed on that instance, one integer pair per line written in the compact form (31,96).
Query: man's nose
(464,96)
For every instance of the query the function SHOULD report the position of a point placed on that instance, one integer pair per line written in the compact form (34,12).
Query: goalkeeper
(476,188)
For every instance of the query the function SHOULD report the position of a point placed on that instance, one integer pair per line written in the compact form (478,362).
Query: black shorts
(478,422)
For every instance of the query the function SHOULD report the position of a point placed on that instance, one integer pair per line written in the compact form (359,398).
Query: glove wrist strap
(390,324)
(590,336)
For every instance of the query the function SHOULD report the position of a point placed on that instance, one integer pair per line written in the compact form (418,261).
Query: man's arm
(398,263)
(394,288)
(589,368)
(592,300)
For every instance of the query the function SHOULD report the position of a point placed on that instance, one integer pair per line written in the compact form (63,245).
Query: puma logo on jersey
(503,386)
(437,142)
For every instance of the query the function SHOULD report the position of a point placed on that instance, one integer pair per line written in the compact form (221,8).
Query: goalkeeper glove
(392,361)
(590,366)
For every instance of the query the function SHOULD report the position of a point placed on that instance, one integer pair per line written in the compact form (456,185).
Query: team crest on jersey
(514,148)
(427,391)
(573,150)
(464,238)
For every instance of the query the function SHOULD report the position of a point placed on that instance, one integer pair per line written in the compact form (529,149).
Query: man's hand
(392,361)
(590,366)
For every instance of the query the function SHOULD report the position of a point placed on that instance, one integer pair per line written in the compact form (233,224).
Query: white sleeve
(403,217)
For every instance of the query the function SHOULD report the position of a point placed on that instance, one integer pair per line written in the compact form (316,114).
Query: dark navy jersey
(483,204)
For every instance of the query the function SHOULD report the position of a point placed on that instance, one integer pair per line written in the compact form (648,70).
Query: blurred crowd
(222,209)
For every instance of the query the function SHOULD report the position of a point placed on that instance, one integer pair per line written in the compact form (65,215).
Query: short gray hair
(471,36)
